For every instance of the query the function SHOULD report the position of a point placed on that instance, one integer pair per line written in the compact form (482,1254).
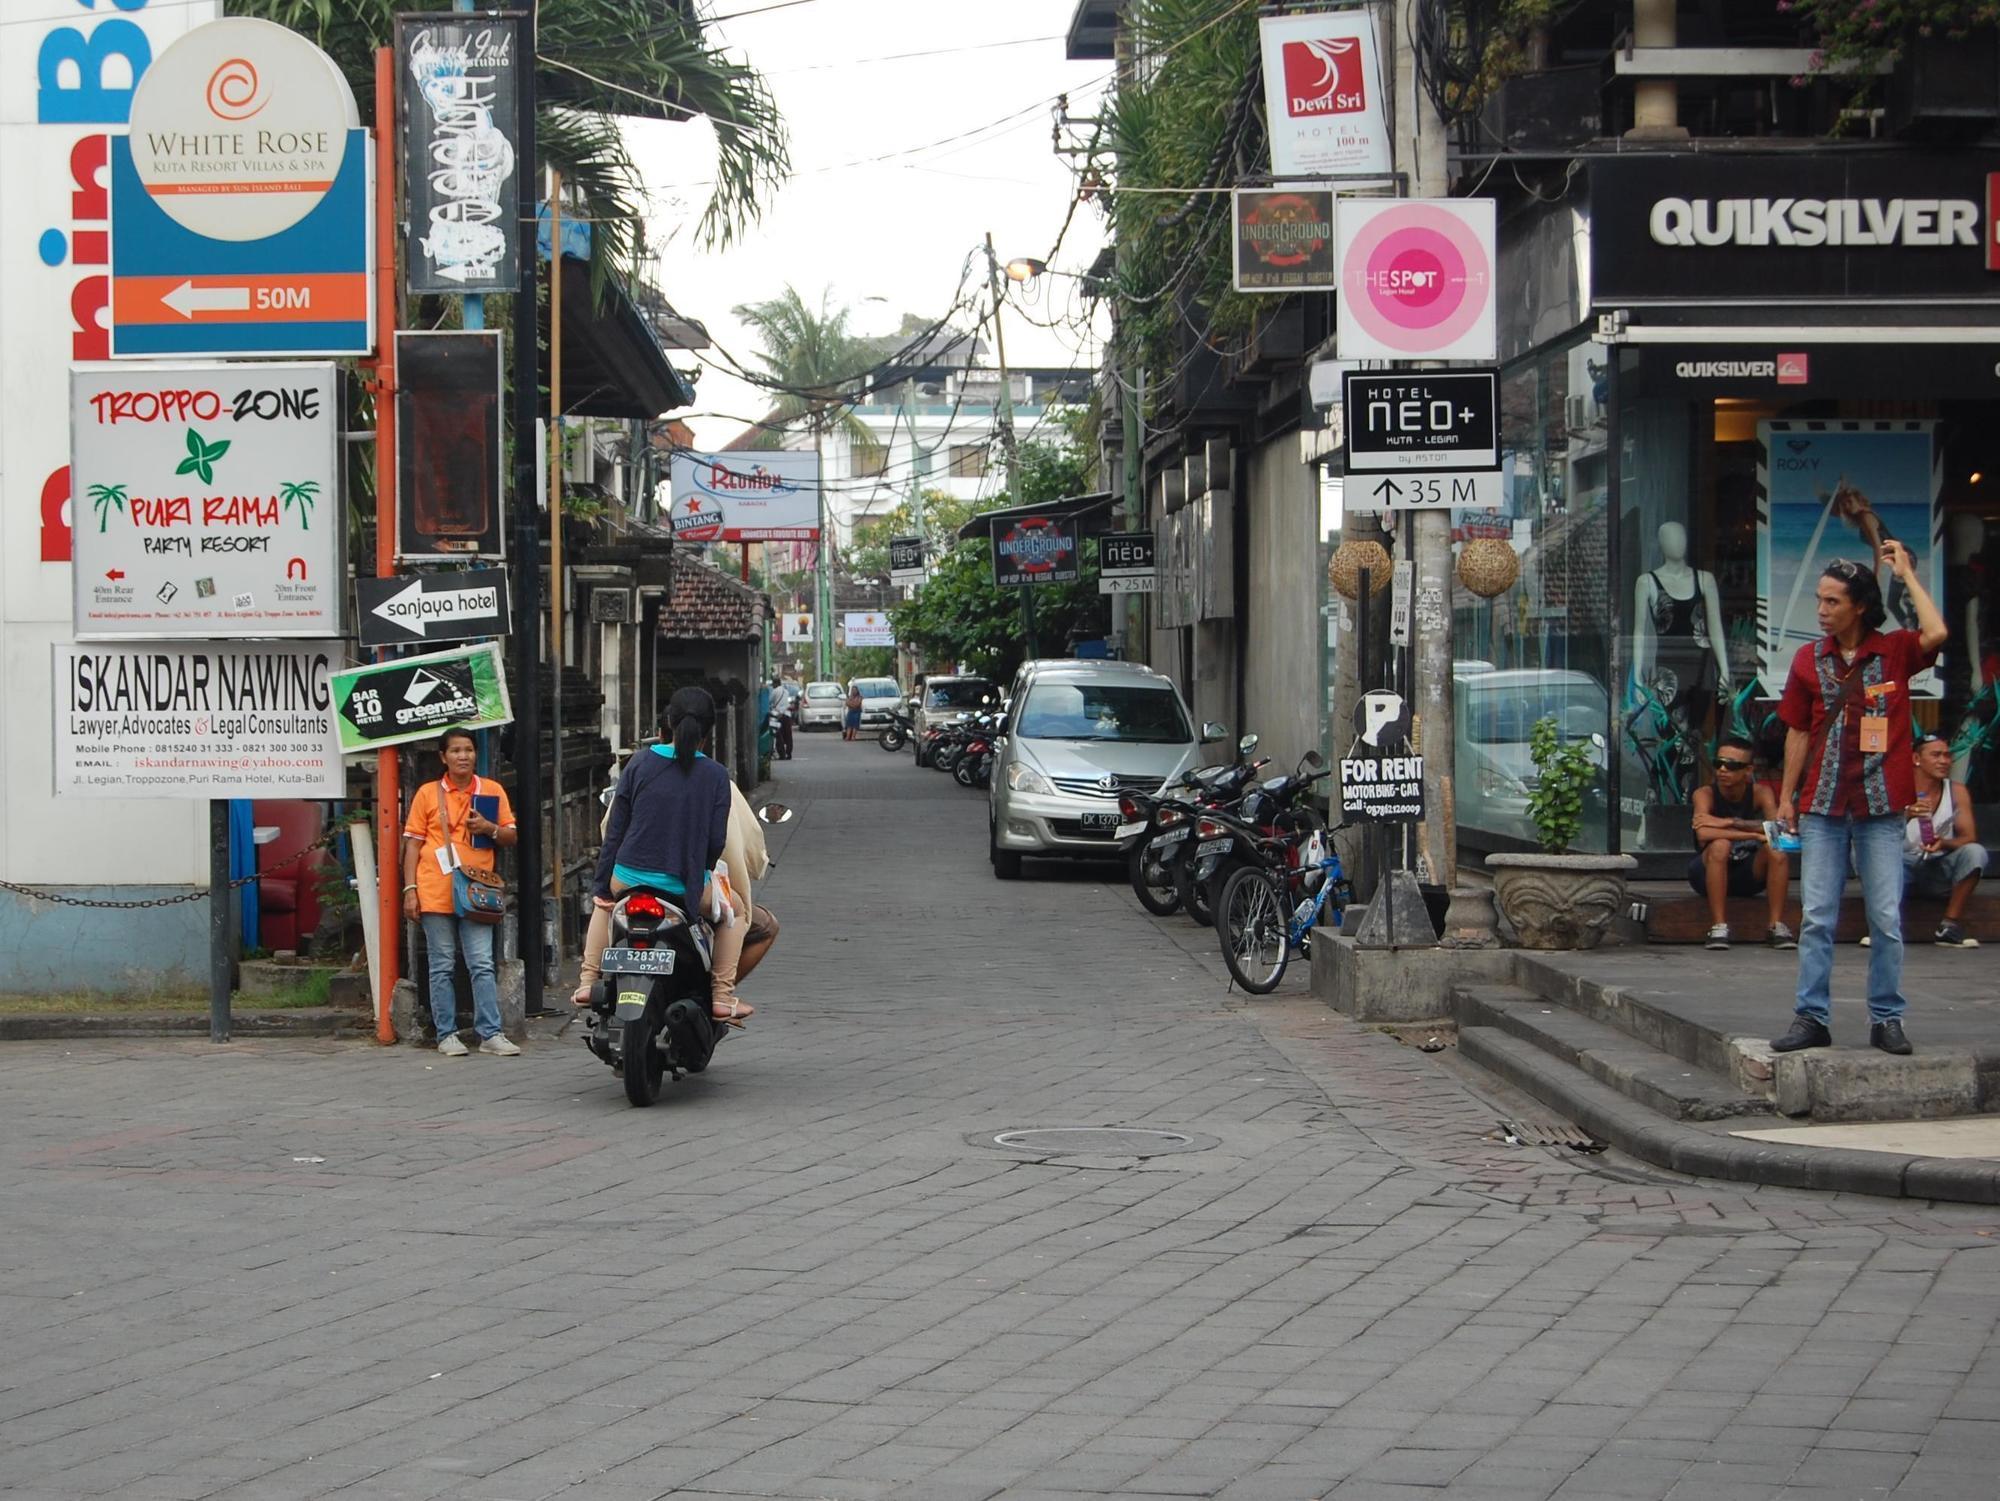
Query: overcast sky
(897,229)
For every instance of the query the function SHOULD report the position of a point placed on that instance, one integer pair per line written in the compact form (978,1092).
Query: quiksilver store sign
(1870,225)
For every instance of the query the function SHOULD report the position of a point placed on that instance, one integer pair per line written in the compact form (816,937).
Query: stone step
(1708,1151)
(1674,1087)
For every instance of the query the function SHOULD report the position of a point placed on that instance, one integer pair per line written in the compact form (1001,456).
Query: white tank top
(1941,821)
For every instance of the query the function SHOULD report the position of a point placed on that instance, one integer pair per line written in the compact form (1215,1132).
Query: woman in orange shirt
(431,837)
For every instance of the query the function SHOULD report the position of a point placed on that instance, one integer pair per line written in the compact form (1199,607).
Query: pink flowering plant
(1856,35)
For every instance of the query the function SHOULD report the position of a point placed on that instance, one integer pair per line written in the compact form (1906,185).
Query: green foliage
(643,59)
(1564,774)
(1858,34)
(958,615)
(1190,124)
(851,662)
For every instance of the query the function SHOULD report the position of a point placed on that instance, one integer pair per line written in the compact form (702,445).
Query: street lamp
(1025,268)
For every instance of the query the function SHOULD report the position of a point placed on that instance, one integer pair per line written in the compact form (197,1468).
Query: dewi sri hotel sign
(1323,94)
(1870,226)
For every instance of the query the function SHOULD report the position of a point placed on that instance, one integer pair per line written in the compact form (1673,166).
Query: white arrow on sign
(410,607)
(187,299)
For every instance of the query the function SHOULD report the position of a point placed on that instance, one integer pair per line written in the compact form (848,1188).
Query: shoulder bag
(476,895)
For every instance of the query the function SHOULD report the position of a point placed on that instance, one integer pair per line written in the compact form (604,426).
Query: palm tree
(814,362)
(301,491)
(597,60)
(104,497)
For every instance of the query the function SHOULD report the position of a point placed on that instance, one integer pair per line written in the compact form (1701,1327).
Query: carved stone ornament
(1560,901)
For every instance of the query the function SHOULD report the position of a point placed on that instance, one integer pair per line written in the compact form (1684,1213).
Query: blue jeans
(444,936)
(1874,847)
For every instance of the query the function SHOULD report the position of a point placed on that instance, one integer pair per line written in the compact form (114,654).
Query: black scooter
(649,1015)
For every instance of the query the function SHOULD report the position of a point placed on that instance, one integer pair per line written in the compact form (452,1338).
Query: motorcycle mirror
(1312,760)
(1246,745)
(774,813)
(1597,739)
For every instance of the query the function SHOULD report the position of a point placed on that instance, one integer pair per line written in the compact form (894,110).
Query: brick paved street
(292,1270)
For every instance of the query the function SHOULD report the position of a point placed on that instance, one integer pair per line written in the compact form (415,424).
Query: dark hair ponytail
(689,719)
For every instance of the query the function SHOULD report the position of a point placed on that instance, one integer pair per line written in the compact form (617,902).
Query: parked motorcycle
(1227,838)
(974,768)
(1158,827)
(896,734)
(649,1016)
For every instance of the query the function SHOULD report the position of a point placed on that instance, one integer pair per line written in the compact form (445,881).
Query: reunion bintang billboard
(769,496)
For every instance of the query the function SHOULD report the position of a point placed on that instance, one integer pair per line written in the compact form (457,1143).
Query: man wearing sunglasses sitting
(1736,858)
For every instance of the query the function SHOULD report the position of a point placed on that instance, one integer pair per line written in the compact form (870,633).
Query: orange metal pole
(388,768)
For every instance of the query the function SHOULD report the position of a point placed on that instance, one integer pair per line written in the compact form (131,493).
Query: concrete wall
(52,949)
(736,741)
(1280,608)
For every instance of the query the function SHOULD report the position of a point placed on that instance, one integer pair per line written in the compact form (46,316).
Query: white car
(1077,735)
(880,697)
(822,707)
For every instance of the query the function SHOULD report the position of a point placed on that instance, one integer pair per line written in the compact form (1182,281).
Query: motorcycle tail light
(645,906)
(1170,817)
(1127,809)
(1208,828)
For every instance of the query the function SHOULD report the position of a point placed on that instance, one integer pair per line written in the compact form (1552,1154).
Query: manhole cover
(1098,1141)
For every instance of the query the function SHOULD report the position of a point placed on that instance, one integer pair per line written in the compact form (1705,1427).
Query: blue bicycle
(1269,909)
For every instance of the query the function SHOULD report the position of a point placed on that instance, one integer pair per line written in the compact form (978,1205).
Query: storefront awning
(1092,513)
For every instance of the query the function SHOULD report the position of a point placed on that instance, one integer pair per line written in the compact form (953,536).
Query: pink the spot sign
(1416,279)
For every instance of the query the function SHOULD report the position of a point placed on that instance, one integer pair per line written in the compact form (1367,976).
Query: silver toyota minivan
(1079,733)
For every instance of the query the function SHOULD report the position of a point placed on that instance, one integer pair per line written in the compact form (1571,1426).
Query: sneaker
(499,1047)
(1950,935)
(1780,937)
(1866,941)
(451,1047)
(1718,937)
(1804,1033)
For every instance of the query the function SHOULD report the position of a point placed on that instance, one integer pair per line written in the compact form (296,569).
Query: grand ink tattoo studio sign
(461,123)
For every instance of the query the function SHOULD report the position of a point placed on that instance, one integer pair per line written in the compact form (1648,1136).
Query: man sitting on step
(1735,857)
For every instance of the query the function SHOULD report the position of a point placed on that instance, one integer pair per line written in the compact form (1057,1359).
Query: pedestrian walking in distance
(470,821)
(1848,780)
(850,728)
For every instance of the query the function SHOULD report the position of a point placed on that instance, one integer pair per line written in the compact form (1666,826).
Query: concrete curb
(307,1021)
(1634,1129)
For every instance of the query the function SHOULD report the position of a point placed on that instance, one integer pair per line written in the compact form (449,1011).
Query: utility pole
(528,548)
(822,613)
(1420,153)
(1005,413)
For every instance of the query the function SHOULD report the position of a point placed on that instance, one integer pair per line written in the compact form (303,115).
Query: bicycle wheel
(1255,929)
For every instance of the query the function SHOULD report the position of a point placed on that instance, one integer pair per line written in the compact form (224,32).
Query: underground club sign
(1035,550)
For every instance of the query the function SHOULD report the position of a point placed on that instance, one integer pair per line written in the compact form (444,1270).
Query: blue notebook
(486,806)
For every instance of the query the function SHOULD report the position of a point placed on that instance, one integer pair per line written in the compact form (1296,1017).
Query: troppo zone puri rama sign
(208,500)
(1421,420)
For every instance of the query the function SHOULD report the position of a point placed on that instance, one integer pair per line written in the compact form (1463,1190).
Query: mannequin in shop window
(1679,651)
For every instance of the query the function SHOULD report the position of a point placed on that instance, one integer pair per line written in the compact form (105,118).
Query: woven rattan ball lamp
(1488,566)
(1350,558)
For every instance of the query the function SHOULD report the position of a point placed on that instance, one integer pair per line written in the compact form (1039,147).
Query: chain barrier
(325,841)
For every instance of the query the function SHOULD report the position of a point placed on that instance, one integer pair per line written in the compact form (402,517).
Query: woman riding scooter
(669,824)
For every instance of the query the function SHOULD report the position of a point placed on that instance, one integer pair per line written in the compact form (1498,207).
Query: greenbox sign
(418,698)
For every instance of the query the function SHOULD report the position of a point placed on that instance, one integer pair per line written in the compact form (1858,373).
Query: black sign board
(1421,420)
(1380,780)
(448,446)
(424,696)
(1121,553)
(1284,239)
(1824,226)
(461,119)
(1036,550)
(906,560)
(433,607)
